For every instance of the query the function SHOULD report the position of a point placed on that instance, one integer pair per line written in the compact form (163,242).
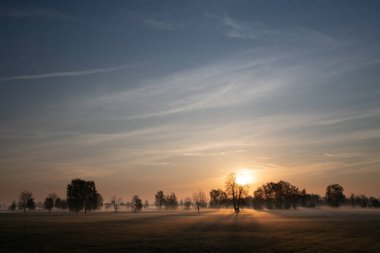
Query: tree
(170,201)
(280,195)
(82,195)
(200,200)
(187,203)
(115,203)
(159,199)
(235,191)
(50,201)
(92,199)
(146,204)
(352,200)
(374,202)
(60,203)
(334,195)
(25,200)
(217,197)
(258,198)
(312,200)
(13,206)
(136,204)
(303,197)
(362,200)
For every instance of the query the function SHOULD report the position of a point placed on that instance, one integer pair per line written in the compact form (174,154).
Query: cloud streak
(257,31)
(70,73)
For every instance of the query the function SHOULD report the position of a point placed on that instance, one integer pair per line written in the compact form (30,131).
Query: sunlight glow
(244,176)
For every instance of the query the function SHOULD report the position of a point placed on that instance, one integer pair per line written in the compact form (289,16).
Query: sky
(143,96)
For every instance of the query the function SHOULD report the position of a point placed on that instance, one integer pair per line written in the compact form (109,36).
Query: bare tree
(25,200)
(235,191)
(115,203)
(200,199)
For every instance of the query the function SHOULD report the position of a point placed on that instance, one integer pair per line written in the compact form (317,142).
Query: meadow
(302,230)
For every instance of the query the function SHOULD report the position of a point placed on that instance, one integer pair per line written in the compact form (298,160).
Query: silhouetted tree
(159,199)
(361,200)
(187,203)
(25,200)
(334,195)
(374,202)
(200,200)
(60,203)
(312,200)
(13,206)
(217,198)
(92,199)
(247,202)
(136,204)
(146,204)
(235,191)
(115,203)
(50,201)
(352,200)
(280,195)
(82,195)
(303,197)
(258,198)
(170,201)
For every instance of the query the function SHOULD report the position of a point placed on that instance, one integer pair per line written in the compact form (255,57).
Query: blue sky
(148,95)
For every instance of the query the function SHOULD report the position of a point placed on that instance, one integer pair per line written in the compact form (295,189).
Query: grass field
(210,231)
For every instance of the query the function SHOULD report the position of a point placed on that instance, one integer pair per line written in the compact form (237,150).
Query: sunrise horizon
(190,126)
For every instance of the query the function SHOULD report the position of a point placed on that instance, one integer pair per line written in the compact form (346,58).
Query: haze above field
(146,95)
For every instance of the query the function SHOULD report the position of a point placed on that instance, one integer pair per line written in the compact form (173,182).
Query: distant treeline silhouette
(82,196)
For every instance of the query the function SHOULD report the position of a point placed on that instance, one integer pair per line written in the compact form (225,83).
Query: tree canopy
(83,196)
(334,195)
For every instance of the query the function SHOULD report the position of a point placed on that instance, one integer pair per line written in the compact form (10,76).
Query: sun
(244,176)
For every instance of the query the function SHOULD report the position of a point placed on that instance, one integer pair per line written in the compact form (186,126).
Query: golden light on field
(244,176)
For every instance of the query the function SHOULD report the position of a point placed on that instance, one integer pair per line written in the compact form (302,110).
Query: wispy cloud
(258,31)
(232,112)
(70,73)
(231,82)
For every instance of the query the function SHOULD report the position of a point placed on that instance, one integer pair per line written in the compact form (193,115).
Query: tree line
(82,196)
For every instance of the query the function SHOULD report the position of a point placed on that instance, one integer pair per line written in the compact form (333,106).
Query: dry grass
(211,231)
